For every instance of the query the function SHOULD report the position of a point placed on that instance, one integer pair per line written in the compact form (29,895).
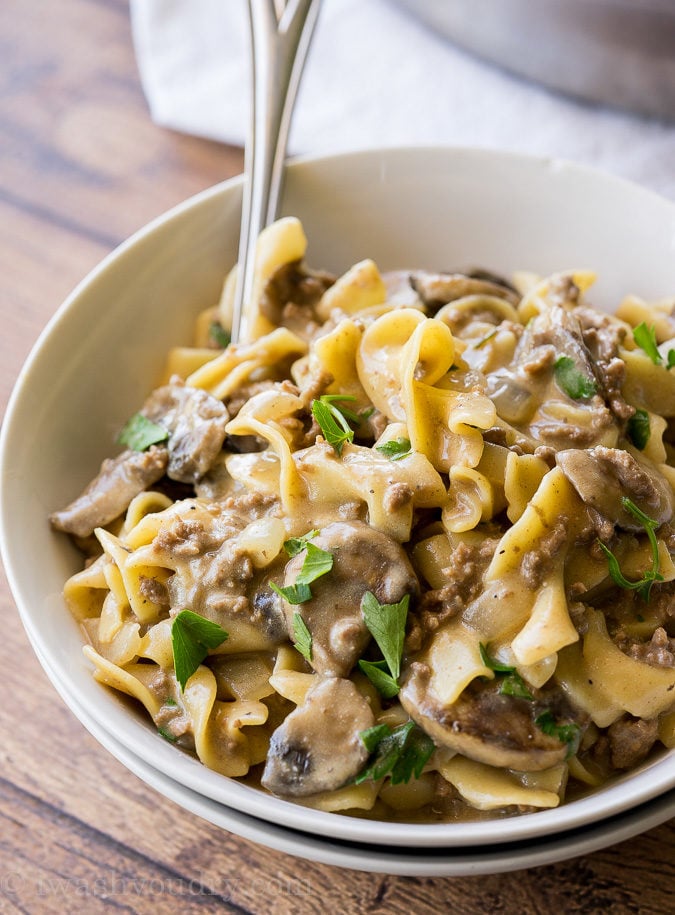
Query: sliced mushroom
(484,725)
(437,289)
(556,328)
(291,294)
(363,560)
(110,492)
(196,424)
(602,476)
(561,420)
(318,747)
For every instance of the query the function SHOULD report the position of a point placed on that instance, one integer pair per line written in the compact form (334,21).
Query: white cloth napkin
(377,77)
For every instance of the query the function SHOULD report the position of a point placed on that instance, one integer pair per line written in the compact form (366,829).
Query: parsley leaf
(484,340)
(378,674)
(191,638)
(302,636)
(643,585)
(492,663)
(333,420)
(400,753)
(297,544)
(317,562)
(293,594)
(638,428)
(565,733)
(139,433)
(515,686)
(512,684)
(573,382)
(166,735)
(219,335)
(395,448)
(386,623)
(645,337)
(372,736)
(671,359)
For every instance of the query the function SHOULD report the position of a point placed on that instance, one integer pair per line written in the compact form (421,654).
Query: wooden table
(81,167)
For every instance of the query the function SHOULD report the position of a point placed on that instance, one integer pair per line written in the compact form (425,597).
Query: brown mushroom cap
(484,725)
(602,476)
(318,747)
(363,560)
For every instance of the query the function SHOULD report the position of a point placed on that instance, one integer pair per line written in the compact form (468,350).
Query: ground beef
(603,337)
(252,505)
(377,422)
(464,576)
(536,563)
(316,386)
(540,360)
(621,606)
(630,740)
(291,294)
(658,652)
(153,590)
(563,291)
(183,538)
(396,496)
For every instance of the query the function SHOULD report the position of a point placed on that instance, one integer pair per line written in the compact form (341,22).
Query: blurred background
(590,80)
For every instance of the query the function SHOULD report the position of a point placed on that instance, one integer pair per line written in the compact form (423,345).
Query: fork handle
(279,45)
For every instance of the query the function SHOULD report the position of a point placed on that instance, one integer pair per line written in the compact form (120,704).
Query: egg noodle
(405,550)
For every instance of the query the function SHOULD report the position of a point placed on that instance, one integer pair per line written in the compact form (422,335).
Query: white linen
(375,76)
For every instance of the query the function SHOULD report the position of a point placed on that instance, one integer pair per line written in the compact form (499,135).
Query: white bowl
(102,352)
(382,859)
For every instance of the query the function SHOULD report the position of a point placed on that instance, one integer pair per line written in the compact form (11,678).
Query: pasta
(406,550)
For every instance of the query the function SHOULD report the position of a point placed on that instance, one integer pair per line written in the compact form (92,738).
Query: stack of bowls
(103,352)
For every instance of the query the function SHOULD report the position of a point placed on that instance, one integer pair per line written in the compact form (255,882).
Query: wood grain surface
(81,167)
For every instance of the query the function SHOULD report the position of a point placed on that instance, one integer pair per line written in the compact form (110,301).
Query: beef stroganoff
(405,551)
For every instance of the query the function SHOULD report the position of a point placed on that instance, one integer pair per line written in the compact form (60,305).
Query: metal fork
(281,33)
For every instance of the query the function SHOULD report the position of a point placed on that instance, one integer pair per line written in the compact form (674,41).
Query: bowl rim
(420,862)
(185,769)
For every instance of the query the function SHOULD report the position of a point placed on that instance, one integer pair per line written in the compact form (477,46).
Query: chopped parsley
(166,735)
(334,421)
(379,675)
(395,448)
(297,544)
(572,381)
(386,624)
(645,337)
(293,594)
(643,585)
(565,733)
(638,428)
(219,335)
(484,340)
(512,684)
(139,433)
(399,753)
(191,638)
(302,636)
(317,562)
